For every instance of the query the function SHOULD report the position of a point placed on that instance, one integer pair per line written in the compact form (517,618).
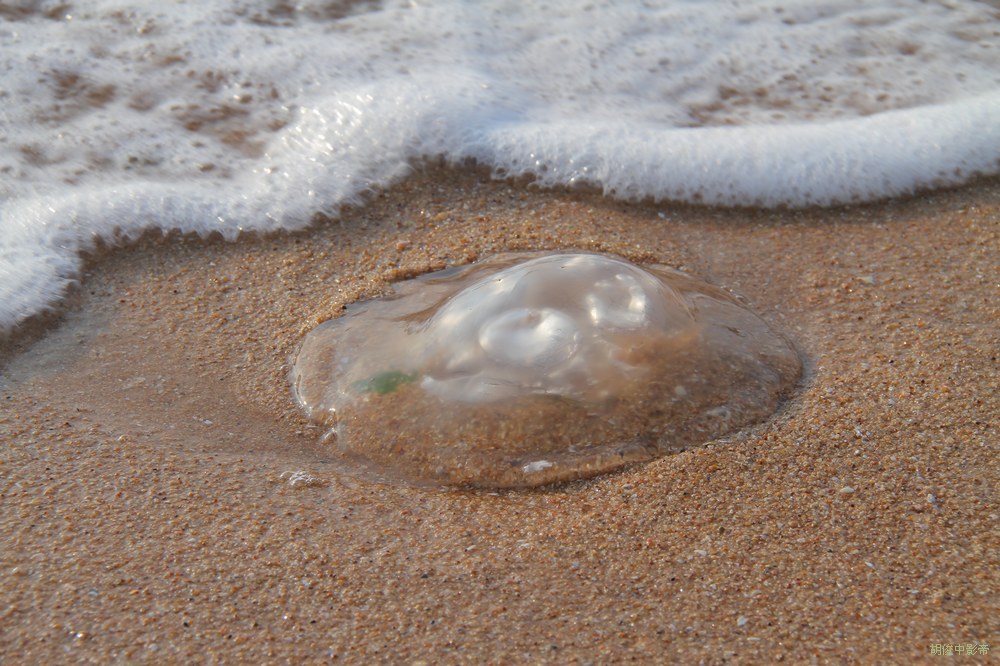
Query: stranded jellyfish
(530,369)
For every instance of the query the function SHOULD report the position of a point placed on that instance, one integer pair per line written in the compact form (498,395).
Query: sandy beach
(164,500)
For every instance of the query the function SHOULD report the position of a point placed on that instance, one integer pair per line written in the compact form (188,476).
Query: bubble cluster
(529,369)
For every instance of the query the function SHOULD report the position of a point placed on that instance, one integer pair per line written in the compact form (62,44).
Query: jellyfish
(531,369)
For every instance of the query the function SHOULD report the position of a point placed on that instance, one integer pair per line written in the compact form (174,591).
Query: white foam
(229,115)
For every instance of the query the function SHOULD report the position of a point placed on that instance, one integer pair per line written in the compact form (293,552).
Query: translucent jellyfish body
(530,369)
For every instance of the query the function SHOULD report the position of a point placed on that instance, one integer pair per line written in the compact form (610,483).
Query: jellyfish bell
(530,369)
(558,325)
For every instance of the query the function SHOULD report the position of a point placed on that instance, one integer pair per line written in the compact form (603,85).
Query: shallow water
(233,115)
(526,370)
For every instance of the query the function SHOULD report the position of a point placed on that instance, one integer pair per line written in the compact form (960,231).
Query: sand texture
(165,501)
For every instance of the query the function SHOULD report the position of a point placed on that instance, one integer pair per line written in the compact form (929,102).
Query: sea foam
(232,115)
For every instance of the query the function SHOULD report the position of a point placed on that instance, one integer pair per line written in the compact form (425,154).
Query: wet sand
(164,500)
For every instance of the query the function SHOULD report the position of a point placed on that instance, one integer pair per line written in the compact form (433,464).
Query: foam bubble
(230,115)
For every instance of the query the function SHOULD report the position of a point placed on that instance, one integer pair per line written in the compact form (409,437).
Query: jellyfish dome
(560,325)
(531,369)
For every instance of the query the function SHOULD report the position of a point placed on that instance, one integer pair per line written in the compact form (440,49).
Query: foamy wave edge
(848,161)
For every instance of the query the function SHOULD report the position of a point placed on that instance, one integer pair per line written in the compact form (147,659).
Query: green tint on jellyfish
(530,369)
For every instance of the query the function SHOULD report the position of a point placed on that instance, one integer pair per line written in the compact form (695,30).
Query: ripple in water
(530,369)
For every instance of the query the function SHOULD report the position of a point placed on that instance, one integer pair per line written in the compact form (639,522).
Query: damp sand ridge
(165,500)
